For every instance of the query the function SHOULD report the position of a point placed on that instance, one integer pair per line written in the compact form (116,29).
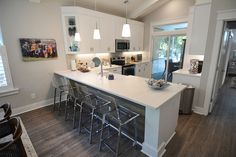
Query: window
(171,27)
(6,85)
(168,48)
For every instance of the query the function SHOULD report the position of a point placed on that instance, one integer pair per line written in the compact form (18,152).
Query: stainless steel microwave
(122,45)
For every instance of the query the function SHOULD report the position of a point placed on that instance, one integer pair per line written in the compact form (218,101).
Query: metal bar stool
(59,85)
(120,116)
(95,104)
(77,95)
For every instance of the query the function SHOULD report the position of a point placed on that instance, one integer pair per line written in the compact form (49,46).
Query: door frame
(222,16)
(220,71)
(165,22)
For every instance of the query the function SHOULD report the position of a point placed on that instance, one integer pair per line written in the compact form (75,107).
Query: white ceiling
(136,8)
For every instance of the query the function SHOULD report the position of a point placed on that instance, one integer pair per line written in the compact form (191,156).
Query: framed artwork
(38,49)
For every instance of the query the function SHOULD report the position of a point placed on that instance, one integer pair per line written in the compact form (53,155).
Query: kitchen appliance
(127,69)
(122,45)
(138,58)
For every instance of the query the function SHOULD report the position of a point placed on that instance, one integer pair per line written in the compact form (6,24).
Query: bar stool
(76,95)
(59,84)
(95,104)
(120,116)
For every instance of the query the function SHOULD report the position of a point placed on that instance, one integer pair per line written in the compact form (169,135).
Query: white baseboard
(161,149)
(199,110)
(34,106)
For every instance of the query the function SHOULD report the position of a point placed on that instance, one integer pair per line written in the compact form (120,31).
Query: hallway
(211,136)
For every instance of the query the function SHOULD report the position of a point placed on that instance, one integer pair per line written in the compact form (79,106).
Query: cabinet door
(140,35)
(107,34)
(95,45)
(118,27)
(138,70)
(85,32)
(146,70)
(116,70)
(133,38)
(199,31)
(136,40)
(87,24)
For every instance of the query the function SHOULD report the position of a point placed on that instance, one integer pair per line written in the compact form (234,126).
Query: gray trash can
(186,100)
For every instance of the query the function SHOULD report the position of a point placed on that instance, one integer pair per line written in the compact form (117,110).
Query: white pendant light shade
(77,37)
(96,34)
(126,30)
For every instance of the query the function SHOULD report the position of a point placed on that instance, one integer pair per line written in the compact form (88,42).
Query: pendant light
(77,34)
(126,27)
(96,32)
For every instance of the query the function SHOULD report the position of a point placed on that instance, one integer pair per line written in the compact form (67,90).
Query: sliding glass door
(167,48)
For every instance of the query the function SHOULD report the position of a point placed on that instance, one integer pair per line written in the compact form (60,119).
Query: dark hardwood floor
(211,136)
(52,136)
(196,135)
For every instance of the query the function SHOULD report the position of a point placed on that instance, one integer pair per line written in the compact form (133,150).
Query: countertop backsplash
(87,58)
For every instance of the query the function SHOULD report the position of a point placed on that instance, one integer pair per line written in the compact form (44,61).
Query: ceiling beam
(146,8)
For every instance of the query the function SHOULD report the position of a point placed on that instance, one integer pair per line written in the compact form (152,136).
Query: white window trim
(9,89)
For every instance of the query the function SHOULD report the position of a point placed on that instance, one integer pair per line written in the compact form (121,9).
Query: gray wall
(171,10)
(22,19)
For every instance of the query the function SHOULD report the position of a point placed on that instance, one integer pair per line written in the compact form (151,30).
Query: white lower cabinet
(143,69)
(117,70)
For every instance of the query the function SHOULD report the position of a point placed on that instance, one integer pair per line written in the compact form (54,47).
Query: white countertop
(186,72)
(132,88)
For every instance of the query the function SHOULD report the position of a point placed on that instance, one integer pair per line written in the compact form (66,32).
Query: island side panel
(169,113)
(151,133)
(160,125)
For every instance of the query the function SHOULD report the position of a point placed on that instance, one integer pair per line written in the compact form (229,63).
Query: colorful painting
(38,49)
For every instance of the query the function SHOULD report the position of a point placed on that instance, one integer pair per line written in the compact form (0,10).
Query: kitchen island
(161,106)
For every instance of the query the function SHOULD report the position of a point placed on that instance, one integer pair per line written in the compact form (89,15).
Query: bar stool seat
(117,117)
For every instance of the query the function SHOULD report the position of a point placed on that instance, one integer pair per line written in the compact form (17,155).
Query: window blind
(3,78)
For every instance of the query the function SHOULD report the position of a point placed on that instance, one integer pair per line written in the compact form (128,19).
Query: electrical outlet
(33,95)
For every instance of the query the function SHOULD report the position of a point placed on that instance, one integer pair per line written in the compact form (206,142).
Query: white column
(150,144)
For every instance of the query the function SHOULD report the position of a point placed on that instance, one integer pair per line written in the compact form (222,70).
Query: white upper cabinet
(136,39)
(107,31)
(77,19)
(199,28)
(118,27)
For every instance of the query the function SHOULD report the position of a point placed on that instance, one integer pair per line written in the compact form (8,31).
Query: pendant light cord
(95,8)
(126,2)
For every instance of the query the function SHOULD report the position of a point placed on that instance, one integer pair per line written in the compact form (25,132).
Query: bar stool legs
(54,100)
(118,142)
(80,118)
(74,115)
(91,127)
(101,134)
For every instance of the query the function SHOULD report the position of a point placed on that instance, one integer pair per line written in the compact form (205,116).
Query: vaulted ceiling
(136,8)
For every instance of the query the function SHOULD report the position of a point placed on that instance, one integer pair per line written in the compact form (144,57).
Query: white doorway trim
(222,16)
